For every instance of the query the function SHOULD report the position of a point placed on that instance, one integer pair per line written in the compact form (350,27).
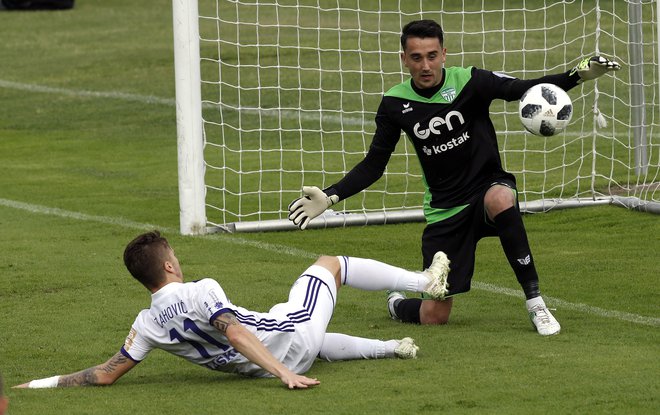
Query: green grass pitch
(88,156)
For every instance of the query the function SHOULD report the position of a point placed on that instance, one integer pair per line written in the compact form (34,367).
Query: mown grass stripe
(286,250)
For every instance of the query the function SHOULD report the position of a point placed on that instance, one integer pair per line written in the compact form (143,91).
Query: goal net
(276,94)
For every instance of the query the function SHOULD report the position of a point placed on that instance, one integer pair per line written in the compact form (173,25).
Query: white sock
(372,275)
(337,346)
(534,301)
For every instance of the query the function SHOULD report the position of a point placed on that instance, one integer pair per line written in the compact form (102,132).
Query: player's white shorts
(310,306)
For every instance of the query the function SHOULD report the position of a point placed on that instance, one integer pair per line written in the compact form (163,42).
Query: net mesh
(290,89)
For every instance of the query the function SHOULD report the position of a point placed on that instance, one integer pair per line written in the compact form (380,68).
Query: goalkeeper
(445,114)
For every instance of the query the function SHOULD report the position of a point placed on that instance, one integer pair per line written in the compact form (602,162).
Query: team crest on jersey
(448,94)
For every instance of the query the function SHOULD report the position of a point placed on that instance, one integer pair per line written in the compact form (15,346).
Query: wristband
(44,383)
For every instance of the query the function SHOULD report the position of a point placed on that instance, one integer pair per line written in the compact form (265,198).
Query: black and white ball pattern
(545,110)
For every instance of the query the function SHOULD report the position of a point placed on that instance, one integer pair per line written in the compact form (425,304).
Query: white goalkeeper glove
(313,203)
(592,68)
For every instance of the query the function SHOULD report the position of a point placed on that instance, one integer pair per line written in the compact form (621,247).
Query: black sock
(531,289)
(513,237)
(408,310)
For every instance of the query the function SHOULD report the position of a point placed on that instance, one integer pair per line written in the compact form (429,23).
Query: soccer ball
(545,109)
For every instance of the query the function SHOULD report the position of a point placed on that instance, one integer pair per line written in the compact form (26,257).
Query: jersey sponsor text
(454,142)
(435,123)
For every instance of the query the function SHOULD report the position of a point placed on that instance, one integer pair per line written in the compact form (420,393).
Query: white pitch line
(287,250)
(290,114)
(552,301)
(322,116)
(125,223)
(78,93)
(74,215)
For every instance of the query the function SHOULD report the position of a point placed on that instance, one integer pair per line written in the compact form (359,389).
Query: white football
(545,109)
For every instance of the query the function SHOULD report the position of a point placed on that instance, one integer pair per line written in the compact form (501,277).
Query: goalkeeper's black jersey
(451,131)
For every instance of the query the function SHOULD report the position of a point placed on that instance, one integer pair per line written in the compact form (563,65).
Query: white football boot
(438,272)
(392,298)
(541,317)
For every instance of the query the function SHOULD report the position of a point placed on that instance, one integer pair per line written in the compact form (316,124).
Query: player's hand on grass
(294,381)
(594,67)
(313,202)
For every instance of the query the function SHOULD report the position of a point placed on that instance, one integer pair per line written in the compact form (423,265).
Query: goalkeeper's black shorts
(457,237)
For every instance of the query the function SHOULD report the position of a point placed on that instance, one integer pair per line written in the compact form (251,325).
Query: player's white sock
(372,275)
(533,302)
(337,346)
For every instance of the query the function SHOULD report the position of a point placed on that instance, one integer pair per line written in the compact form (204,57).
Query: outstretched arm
(587,69)
(103,374)
(315,201)
(251,347)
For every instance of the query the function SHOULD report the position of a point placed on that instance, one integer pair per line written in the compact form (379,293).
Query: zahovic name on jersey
(170,312)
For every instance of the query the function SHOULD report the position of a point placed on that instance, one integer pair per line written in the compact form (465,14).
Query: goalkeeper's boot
(438,272)
(541,317)
(393,298)
(407,349)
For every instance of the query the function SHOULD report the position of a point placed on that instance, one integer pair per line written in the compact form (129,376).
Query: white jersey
(180,316)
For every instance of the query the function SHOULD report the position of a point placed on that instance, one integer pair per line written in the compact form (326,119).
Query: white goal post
(276,94)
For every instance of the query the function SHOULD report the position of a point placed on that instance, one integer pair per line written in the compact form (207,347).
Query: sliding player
(196,320)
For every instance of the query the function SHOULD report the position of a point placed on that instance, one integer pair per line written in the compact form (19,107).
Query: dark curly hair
(421,29)
(144,257)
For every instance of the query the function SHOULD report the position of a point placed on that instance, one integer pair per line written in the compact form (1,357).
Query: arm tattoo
(223,321)
(111,365)
(90,376)
(83,378)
